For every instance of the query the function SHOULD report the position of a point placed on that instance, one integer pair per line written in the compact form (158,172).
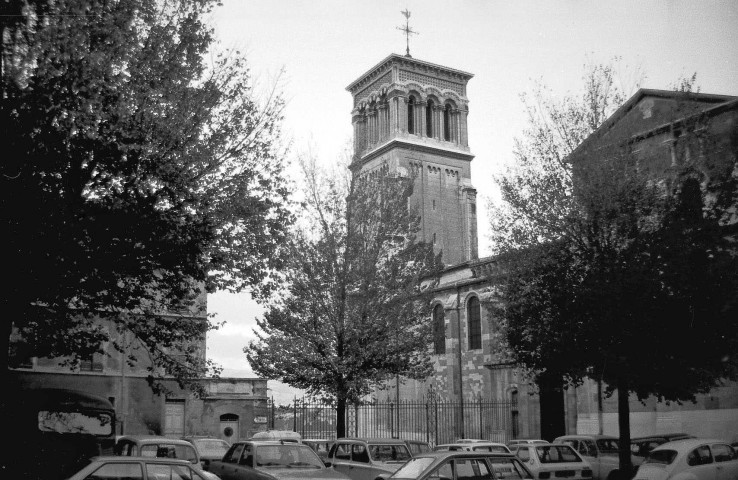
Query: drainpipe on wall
(461,371)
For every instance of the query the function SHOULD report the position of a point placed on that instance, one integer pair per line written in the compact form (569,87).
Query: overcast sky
(323,46)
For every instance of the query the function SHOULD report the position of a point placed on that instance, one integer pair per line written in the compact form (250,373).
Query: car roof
(475,444)
(317,440)
(667,436)
(464,453)
(127,459)
(143,439)
(688,444)
(582,436)
(381,441)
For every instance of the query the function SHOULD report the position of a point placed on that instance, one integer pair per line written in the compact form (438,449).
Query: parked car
(463,465)
(553,461)
(272,460)
(208,448)
(525,441)
(600,451)
(418,446)
(690,459)
(321,446)
(157,446)
(140,468)
(476,446)
(640,446)
(368,458)
(286,435)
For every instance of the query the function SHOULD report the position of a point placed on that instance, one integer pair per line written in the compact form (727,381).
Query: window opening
(429,119)
(411,115)
(439,331)
(475,324)
(446,123)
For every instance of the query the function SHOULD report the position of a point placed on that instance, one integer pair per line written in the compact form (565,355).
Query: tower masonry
(410,118)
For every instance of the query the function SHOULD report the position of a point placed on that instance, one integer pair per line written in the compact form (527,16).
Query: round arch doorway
(229,430)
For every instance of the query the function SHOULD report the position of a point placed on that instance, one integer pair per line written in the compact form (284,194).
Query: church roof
(405,60)
(664,107)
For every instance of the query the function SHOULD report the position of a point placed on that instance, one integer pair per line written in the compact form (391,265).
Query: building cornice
(404,143)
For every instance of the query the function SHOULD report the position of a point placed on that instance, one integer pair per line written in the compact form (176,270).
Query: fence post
(481,418)
(294,416)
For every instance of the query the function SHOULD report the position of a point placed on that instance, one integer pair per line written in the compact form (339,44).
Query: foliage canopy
(353,313)
(141,171)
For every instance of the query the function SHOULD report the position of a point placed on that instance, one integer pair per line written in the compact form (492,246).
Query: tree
(618,273)
(532,219)
(352,313)
(141,171)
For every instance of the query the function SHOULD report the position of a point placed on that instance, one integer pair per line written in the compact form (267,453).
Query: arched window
(474,321)
(439,331)
(447,123)
(411,115)
(429,119)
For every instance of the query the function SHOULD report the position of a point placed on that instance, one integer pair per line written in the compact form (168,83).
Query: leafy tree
(141,171)
(352,313)
(616,272)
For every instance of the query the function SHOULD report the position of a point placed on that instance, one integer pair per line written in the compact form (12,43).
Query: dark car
(641,446)
(463,465)
(208,448)
(272,460)
(140,468)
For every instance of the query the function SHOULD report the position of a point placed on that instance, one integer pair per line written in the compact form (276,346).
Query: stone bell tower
(409,118)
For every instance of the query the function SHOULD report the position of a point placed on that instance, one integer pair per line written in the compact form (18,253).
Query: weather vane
(407,30)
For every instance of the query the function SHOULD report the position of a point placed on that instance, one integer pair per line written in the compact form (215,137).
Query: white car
(692,459)
(553,461)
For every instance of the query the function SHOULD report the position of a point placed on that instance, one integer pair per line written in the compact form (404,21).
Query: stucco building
(233,407)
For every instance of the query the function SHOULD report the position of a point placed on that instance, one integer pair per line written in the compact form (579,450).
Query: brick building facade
(409,118)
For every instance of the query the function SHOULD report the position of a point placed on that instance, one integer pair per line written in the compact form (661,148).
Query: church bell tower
(409,118)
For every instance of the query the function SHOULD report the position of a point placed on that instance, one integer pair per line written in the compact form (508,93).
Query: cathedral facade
(410,118)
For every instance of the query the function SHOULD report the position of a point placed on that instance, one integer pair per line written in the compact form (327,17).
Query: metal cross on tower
(407,30)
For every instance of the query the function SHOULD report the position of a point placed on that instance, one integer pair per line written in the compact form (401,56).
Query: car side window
(523,454)
(248,457)
(587,447)
(444,472)
(509,468)
(170,472)
(116,471)
(472,469)
(699,456)
(234,454)
(722,452)
(343,451)
(359,453)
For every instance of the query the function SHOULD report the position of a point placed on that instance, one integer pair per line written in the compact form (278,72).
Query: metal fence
(433,421)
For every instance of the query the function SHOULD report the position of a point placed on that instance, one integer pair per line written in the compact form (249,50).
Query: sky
(317,48)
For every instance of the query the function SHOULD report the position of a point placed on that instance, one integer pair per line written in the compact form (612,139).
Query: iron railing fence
(433,421)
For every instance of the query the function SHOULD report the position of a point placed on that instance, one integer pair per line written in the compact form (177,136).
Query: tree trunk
(626,466)
(553,421)
(340,417)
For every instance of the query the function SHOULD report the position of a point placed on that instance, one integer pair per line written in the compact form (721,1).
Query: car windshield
(556,454)
(389,453)
(211,447)
(607,445)
(413,468)
(289,456)
(661,457)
